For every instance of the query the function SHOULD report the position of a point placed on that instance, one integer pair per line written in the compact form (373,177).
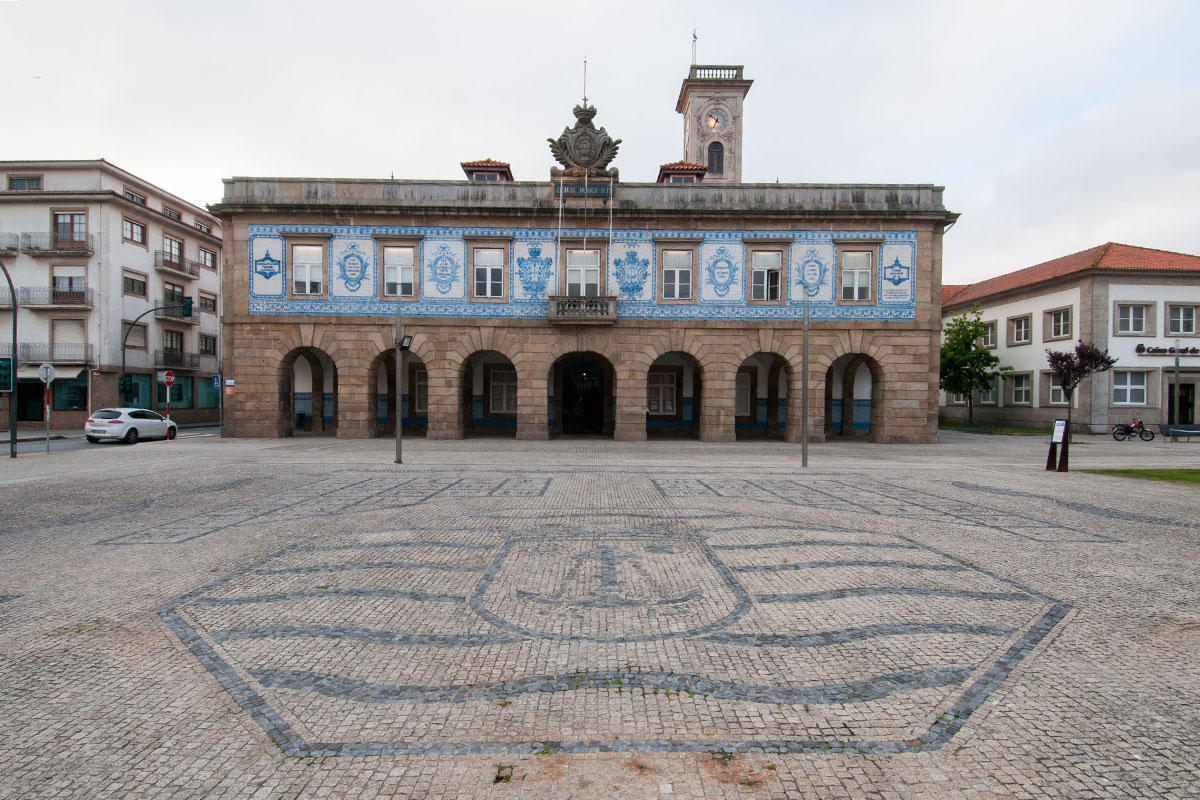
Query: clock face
(714,120)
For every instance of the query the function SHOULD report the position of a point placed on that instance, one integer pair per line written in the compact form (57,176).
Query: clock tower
(711,103)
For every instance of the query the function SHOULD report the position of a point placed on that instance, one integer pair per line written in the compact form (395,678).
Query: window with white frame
(958,399)
(766,277)
(1020,330)
(1129,388)
(489,271)
(1181,320)
(398,271)
(583,273)
(306,269)
(1060,323)
(1021,390)
(504,391)
(1057,396)
(742,395)
(660,393)
(1131,318)
(987,397)
(856,276)
(419,394)
(989,335)
(677,275)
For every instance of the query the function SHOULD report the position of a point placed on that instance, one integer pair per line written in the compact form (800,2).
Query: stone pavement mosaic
(306,619)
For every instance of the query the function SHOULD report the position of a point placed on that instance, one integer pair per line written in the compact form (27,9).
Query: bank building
(584,304)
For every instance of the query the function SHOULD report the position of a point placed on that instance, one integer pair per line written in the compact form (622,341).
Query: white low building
(93,252)
(1139,304)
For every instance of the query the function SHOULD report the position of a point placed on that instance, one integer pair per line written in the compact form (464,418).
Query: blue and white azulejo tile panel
(632,273)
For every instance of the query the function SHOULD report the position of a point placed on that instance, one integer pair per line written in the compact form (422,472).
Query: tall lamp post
(12,396)
(402,343)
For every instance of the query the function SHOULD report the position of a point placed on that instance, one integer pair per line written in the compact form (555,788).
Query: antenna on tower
(585,81)
(694,40)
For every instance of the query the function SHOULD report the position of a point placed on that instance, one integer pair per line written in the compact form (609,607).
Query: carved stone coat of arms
(584,150)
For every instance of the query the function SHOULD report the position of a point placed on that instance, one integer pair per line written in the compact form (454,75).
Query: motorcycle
(1122,432)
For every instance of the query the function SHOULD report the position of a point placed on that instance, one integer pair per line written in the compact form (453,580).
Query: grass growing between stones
(1185,476)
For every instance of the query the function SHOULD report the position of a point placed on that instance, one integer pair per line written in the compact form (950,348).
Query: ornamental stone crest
(584,150)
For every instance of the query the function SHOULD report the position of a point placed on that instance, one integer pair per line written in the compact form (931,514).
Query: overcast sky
(1054,126)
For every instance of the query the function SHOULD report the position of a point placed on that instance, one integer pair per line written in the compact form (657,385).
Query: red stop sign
(169,378)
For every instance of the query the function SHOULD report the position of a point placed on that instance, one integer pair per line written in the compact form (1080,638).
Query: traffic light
(125,385)
(187,306)
(6,376)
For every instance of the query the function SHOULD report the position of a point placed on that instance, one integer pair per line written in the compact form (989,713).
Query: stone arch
(853,396)
(762,395)
(489,394)
(674,382)
(307,396)
(583,386)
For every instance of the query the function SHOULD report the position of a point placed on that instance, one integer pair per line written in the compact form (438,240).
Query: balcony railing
(49,296)
(53,244)
(9,243)
(582,310)
(713,72)
(55,352)
(5,298)
(166,260)
(176,358)
(174,311)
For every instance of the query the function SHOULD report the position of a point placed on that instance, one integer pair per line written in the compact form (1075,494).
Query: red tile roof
(484,163)
(951,289)
(1106,257)
(687,166)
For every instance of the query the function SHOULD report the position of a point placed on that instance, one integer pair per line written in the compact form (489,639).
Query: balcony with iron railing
(172,311)
(176,359)
(582,310)
(53,244)
(52,352)
(166,261)
(49,297)
(9,244)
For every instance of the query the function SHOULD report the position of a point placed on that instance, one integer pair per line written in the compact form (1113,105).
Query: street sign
(169,378)
(46,373)
(217,382)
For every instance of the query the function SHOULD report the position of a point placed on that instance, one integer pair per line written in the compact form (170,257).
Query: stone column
(816,406)
(445,399)
(717,403)
(355,404)
(630,424)
(532,394)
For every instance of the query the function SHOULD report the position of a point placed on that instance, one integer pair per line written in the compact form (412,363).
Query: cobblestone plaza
(581,618)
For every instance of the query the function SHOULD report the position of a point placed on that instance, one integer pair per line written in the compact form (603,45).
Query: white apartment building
(1139,304)
(95,252)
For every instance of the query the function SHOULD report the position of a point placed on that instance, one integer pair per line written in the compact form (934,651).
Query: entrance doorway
(1187,404)
(583,384)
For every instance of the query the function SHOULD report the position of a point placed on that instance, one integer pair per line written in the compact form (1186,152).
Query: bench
(1187,431)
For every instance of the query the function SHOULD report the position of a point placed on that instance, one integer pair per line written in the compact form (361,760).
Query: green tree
(1071,369)
(967,366)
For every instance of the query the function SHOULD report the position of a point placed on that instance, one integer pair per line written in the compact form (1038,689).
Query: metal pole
(399,372)
(804,386)
(12,396)
(1178,411)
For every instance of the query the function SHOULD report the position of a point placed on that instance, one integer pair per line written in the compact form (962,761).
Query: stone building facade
(582,305)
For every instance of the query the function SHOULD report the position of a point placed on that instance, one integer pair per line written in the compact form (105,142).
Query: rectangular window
(958,399)
(398,271)
(987,397)
(24,183)
(1057,324)
(208,303)
(583,273)
(133,231)
(181,393)
(420,392)
(989,335)
(173,295)
(1131,319)
(70,229)
(208,345)
(742,395)
(1181,320)
(172,213)
(133,283)
(68,337)
(1129,388)
(677,275)
(488,263)
(69,395)
(172,250)
(1019,330)
(682,179)
(1057,396)
(208,258)
(134,197)
(766,268)
(660,393)
(67,280)
(856,276)
(1021,390)
(207,395)
(504,391)
(172,341)
(136,338)
(306,269)
(202,227)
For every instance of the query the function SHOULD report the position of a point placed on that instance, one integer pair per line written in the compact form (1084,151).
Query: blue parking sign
(217,382)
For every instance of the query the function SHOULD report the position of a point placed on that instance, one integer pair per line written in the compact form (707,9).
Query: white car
(128,425)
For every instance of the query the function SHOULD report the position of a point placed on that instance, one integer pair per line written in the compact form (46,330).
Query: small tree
(1070,369)
(966,365)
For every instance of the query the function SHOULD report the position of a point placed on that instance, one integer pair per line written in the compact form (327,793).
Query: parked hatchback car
(128,425)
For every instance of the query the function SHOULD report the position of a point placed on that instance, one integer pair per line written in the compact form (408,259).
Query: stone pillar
(445,402)
(532,394)
(717,403)
(355,404)
(630,424)
(816,406)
